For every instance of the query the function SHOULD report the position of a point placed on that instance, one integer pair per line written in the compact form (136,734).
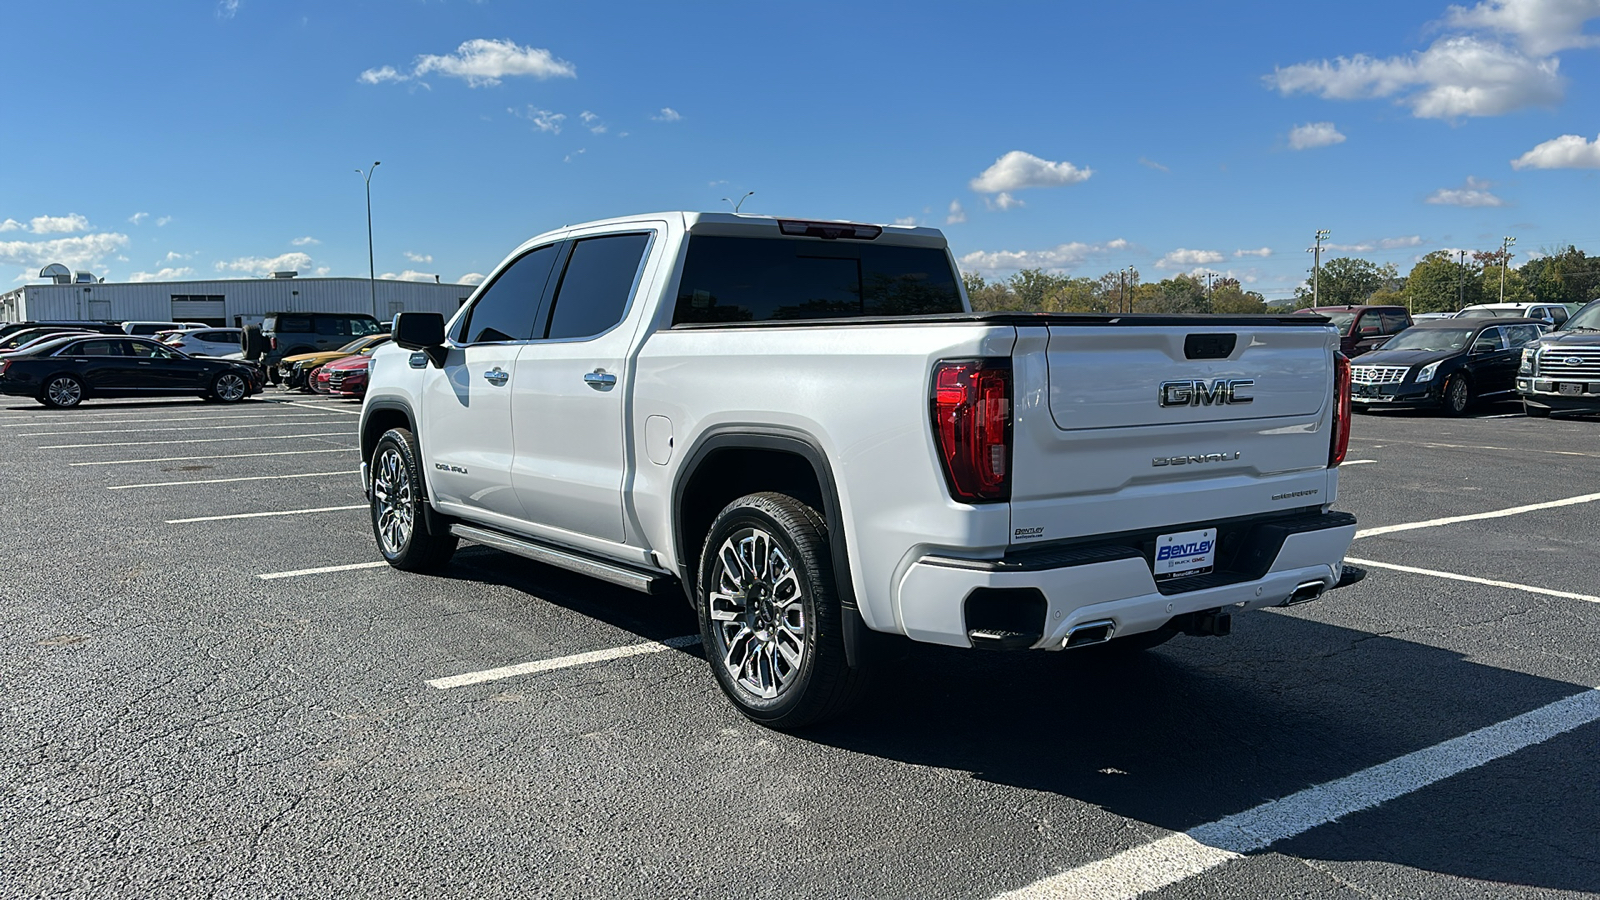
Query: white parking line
(563,662)
(263,515)
(1492,514)
(1473,579)
(323,408)
(212,418)
(179,428)
(1358,462)
(1172,859)
(129,487)
(129,462)
(323,569)
(1435,444)
(254,437)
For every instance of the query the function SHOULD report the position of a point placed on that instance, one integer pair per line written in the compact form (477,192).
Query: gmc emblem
(1197,393)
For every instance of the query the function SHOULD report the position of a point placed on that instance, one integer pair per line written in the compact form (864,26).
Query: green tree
(1229,298)
(1441,283)
(1562,276)
(1183,294)
(1347,280)
(1501,283)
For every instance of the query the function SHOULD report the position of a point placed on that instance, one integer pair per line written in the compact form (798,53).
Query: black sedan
(1444,364)
(65,372)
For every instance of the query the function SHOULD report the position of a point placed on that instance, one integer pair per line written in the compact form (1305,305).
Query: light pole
(1132,275)
(1316,265)
(372,271)
(747,196)
(1461,280)
(1505,263)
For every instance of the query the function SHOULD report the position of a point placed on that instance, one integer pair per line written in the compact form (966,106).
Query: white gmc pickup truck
(804,427)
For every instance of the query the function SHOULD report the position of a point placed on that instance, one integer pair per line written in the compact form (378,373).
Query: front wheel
(770,616)
(1457,395)
(62,392)
(399,518)
(229,387)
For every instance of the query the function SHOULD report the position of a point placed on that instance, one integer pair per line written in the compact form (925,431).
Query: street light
(1316,264)
(1130,277)
(372,272)
(747,196)
(1505,263)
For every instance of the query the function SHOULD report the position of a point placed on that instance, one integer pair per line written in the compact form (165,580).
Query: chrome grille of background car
(1378,374)
(1554,363)
(335,379)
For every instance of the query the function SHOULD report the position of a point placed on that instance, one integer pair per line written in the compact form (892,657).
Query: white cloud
(227,9)
(419,257)
(11,225)
(471,278)
(482,63)
(161,222)
(906,220)
(592,122)
(1569,151)
(262,266)
(77,252)
(1541,27)
(410,275)
(1394,243)
(956,215)
(1181,258)
(1262,252)
(307,241)
(168,274)
(58,224)
(174,256)
(668,114)
(1003,201)
(138,217)
(1059,258)
(380,75)
(1314,134)
(578,152)
(1476,193)
(1458,75)
(1018,170)
(1152,164)
(321,271)
(543,119)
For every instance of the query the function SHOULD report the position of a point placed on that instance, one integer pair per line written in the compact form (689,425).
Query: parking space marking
(1473,517)
(1358,462)
(211,418)
(563,662)
(179,428)
(323,408)
(270,576)
(129,462)
(156,484)
(1473,579)
(254,437)
(1172,859)
(263,515)
(1437,445)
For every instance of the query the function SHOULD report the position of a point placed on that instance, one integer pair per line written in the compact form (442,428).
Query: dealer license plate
(1567,387)
(1185,553)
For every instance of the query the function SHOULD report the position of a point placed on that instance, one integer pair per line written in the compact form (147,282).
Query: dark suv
(1363,327)
(289,333)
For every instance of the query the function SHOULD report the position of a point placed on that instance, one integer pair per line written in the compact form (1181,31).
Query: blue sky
(210,139)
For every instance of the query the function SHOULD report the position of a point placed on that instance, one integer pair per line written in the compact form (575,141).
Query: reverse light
(971,411)
(1340,444)
(1426,372)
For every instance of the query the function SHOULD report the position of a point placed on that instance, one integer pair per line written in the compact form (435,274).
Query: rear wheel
(62,392)
(1457,395)
(770,616)
(399,516)
(309,383)
(229,387)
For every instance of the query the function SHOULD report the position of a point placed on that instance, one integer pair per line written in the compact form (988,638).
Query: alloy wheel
(65,392)
(230,388)
(392,496)
(758,613)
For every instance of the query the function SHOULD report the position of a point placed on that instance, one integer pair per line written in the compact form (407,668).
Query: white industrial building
(236,301)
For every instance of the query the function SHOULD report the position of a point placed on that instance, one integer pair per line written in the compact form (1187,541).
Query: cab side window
(1394,322)
(1489,340)
(506,309)
(594,290)
(1522,334)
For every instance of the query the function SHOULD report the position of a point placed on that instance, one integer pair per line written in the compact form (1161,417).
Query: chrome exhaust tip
(1097,632)
(1305,593)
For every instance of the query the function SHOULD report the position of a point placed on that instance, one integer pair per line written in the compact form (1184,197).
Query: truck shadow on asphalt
(1202,728)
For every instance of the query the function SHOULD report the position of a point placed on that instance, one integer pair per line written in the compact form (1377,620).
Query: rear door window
(293,325)
(1393,322)
(738,279)
(1522,334)
(1489,339)
(92,348)
(333,326)
(594,290)
(506,309)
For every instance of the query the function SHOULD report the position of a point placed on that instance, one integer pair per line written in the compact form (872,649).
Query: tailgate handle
(1209,346)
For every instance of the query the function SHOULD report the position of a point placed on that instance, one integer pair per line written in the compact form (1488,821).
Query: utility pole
(372,272)
(1505,263)
(1316,265)
(1131,275)
(1461,280)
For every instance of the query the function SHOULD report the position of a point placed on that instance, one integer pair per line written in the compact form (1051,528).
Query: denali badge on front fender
(1197,393)
(1194,460)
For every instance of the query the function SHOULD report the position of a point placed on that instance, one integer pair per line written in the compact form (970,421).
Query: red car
(344,378)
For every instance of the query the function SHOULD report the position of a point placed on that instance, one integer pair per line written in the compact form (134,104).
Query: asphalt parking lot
(210,689)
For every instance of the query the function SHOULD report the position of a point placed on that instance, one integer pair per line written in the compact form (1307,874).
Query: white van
(149,328)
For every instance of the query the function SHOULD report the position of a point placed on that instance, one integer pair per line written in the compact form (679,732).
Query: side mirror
(421,331)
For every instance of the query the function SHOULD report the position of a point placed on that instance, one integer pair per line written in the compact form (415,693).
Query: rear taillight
(273,342)
(4,365)
(1341,410)
(972,427)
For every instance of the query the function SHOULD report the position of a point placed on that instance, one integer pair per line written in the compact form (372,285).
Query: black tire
(229,387)
(62,391)
(792,582)
(1535,412)
(1457,395)
(404,539)
(252,342)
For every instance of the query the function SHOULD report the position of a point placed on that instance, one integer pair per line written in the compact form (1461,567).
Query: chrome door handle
(497,376)
(599,379)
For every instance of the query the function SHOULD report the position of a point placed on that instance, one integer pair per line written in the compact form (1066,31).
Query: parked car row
(64,370)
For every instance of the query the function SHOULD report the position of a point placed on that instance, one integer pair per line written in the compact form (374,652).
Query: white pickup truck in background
(805,428)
